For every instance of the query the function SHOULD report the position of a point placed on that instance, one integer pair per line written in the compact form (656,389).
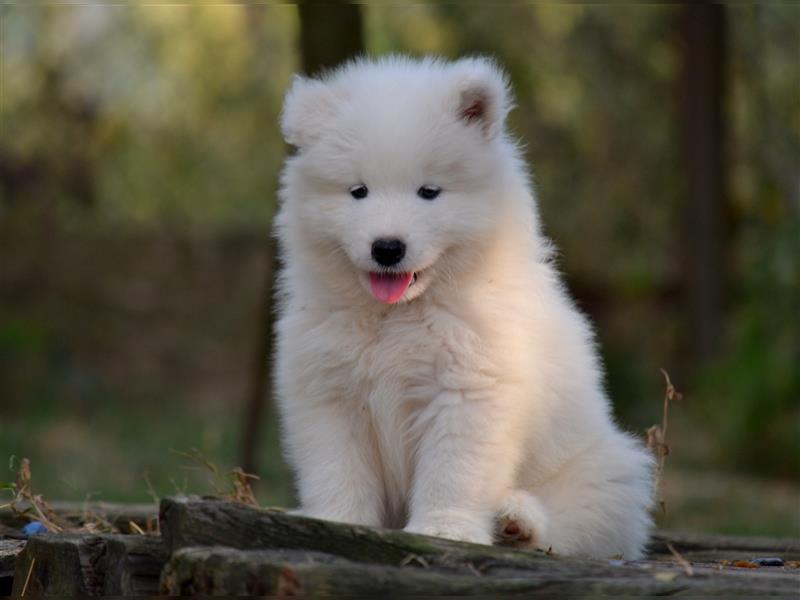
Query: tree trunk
(330,33)
(703,123)
(259,393)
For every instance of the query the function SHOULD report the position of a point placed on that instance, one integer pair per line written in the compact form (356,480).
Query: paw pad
(520,521)
(511,529)
(513,535)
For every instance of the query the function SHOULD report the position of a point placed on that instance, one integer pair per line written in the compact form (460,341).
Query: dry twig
(687,567)
(23,492)
(242,488)
(234,485)
(135,528)
(29,505)
(28,577)
(657,435)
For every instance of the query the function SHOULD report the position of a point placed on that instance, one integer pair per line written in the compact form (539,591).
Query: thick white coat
(476,400)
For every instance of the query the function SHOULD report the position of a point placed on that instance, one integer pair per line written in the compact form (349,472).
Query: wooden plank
(222,547)
(703,547)
(250,541)
(226,571)
(9,550)
(194,522)
(89,565)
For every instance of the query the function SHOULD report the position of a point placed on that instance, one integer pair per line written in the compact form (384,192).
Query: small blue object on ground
(34,527)
(771,561)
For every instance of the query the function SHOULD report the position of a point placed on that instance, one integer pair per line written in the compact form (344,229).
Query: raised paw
(520,521)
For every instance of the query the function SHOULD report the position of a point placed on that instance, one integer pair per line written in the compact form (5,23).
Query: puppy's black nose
(388,252)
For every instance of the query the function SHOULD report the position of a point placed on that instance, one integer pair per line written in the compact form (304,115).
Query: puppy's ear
(308,108)
(484,98)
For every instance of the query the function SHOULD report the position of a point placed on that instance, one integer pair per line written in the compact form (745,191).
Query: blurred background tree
(139,156)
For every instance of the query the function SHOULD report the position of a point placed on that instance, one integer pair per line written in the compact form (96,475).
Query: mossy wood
(89,565)
(226,571)
(217,547)
(9,549)
(271,551)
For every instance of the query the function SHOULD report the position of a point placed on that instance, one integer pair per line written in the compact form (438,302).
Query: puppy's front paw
(521,521)
(452,527)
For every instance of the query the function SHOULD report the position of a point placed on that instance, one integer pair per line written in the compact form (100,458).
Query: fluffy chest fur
(385,368)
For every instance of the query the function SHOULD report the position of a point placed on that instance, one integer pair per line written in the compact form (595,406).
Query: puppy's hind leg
(521,521)
(598,504)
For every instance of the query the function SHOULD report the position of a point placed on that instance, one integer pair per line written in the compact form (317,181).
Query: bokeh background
(139,155)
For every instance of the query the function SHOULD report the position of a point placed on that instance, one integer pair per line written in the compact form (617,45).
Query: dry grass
(28,577)
(687,567)
(235,485)
(657,442)
(657,437)
(29,505)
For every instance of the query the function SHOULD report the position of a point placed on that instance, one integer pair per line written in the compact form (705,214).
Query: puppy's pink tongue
(389,287)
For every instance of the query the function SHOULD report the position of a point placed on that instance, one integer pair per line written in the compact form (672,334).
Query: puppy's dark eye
(359,191)
(428,192)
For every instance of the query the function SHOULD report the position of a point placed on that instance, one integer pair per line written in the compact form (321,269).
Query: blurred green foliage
(139,156)
(168,111)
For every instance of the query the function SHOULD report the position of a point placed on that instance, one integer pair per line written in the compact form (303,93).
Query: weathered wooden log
(699,546)
(225,571)
(221,547)
(131,564)
(372,561)
(9,549)
(704,547)
(211,522)
(89,565)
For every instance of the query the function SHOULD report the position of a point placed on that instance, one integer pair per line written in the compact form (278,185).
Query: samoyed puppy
(432,372)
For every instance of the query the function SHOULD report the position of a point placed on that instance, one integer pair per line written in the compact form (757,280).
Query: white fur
(478,398)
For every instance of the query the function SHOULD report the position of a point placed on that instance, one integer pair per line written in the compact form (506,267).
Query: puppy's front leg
(465,463)
(329,446)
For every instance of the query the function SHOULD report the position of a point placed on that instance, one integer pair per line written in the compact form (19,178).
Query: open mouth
(390,287)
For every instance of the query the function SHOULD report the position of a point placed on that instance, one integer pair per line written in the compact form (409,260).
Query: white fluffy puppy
(433,373)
